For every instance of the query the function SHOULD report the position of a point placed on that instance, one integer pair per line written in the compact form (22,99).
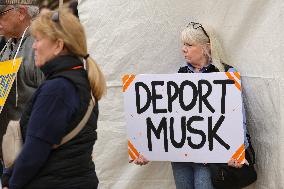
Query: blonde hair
(69,29)
(196,36)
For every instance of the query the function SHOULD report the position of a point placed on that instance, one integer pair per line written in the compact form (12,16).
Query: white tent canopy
(143,36)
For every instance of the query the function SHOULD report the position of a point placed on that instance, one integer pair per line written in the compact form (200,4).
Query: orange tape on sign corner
(242,157)
(127,80)
(133,153)
(239,154)
(237,74)
(237,83)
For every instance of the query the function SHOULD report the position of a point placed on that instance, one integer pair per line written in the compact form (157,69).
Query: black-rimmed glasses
(5,11)
(196,25)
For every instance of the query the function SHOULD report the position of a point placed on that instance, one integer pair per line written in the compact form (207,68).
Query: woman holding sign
(203,54)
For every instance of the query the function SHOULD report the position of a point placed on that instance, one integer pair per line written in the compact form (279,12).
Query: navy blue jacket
(56,109)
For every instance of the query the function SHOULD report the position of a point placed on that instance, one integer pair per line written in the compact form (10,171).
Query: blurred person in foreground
(57,107)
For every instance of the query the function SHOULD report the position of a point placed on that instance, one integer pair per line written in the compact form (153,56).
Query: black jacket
(70,165)
(209,69)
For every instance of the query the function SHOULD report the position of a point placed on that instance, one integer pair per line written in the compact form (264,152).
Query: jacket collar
(60,63)
(208,68)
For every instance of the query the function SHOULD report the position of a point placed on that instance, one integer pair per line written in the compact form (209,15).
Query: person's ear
(59,46)
(208,46)
(23,12)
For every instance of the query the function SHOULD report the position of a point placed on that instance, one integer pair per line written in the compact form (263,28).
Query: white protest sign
(184,117)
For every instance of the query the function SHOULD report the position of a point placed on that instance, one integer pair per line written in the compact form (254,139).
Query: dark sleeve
(49,119)
(51,114)
(28,164)
(53,111)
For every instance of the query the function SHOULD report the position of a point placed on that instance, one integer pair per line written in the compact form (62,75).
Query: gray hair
(196,36)
(33,10)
